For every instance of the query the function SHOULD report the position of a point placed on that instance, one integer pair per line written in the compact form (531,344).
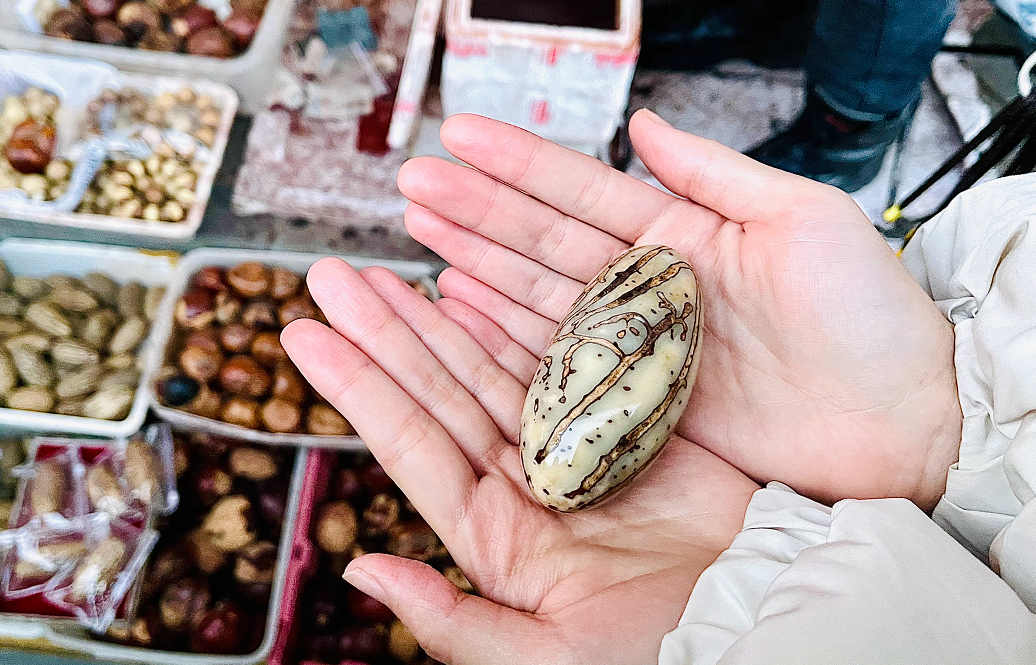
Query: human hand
(824,365)
(442,416)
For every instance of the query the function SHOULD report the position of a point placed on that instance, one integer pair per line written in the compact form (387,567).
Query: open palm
(442,416)
(824,365)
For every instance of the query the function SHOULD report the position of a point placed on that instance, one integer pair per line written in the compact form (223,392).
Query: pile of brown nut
(155,25)
(28,135)
(207,586)
(161,187)
(226,360)
(364,512)
(70,345)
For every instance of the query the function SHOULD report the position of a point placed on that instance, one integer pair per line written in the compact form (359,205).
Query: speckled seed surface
(614,381)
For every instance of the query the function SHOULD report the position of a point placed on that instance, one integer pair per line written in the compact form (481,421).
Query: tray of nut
(349,507)
(76,336)
(209,591)
(223,370)
(90,147)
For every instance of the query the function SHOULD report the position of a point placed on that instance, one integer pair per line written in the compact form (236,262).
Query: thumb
(452,626)
(712,175)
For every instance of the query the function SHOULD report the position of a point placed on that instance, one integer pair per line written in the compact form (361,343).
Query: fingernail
(363,581)
(654,117)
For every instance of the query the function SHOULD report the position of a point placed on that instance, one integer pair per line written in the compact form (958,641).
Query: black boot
(828,147)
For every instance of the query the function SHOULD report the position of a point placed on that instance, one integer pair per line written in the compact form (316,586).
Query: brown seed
(228,308)
(325,420)
(211,278)
(250,279)
(259,314)
(252,463)
(195,309)
(285,283)
(240,411)
(300,307)
(281,416)
(336,527)
(241,375)
(31,146)
(267,349)
(236,337)
(206,404)
(201,363)
(402,643)
(227,523)
(412,539)
(288,384)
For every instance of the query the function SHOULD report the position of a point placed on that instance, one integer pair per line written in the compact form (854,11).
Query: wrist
(945,420)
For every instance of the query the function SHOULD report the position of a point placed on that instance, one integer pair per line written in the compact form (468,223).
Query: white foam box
(41,258)
(251,73)
(76,81)
(568,84)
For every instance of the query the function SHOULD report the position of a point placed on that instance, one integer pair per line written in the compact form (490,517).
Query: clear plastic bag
(50,485)
(39,558)
(101,579)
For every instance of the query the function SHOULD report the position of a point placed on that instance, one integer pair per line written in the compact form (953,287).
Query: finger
(416,451)
(500,213)
(527,328)
(511,355)
(537,287)
(452,626)
(576,184)
(714,176)
(490,384)
(360,315)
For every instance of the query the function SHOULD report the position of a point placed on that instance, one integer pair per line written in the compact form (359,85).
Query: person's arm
(866,582)
(877,581)
(978,262)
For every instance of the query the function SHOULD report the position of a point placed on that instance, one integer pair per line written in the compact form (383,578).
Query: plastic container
(251,74)
(40,258)
(303,554)
(192,262)
(563,78)
(227,101)
(32,632)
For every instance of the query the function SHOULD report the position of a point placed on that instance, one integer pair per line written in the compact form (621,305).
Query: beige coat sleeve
(878,581)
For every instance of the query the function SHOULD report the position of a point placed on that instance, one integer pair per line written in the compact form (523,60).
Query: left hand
(442,417)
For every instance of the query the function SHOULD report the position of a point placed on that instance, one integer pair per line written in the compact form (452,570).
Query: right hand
(824,364)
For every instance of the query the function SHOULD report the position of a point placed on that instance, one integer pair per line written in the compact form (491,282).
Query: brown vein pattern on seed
(655,285)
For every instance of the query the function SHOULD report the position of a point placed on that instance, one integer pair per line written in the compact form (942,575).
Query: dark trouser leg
(866,64)
(868,58)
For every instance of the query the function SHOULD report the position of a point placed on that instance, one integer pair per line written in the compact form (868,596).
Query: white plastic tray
(68,637)
(195,260)
(251,74)
(224,96)
(40,258)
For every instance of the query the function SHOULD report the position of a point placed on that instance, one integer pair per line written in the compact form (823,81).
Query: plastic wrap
(567,84)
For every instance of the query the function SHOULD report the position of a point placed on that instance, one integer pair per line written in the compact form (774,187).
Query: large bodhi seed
(614,381)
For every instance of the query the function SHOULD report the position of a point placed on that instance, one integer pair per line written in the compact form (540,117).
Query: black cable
(1011,132)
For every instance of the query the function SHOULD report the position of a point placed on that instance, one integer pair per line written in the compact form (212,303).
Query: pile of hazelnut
(158,25)
(207,585)
(226,361)
(162,186)
(364,512)
(28,135)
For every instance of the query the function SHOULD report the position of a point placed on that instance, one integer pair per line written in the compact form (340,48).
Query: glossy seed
(614,380)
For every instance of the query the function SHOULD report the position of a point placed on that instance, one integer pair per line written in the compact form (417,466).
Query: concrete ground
(740,105)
